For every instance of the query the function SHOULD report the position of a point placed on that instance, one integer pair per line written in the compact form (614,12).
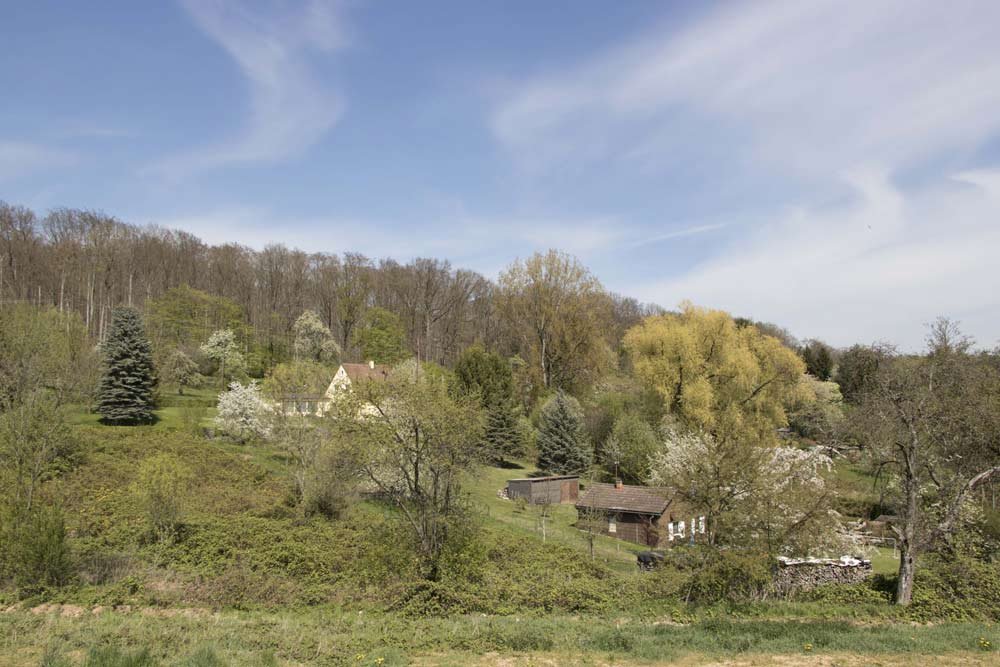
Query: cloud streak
(291,107)
(807,86)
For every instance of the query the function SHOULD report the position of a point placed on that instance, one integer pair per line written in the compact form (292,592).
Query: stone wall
(808,573)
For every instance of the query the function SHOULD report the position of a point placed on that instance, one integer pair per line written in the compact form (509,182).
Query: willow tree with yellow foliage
(726,388)
(728,381)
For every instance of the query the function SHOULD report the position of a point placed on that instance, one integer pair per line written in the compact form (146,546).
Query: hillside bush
(34,552)
(161,488)
(717,575)
(956,587)
(497,572)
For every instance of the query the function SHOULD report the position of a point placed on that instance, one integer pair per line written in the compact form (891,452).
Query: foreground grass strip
(333,638)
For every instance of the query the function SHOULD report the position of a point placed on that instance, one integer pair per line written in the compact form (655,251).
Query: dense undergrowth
(244,545)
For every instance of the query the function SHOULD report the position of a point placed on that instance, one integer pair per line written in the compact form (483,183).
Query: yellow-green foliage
(730,381)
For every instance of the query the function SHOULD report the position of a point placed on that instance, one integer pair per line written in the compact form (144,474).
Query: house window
(670,531)
(680,529)
(612,525)
(701,525)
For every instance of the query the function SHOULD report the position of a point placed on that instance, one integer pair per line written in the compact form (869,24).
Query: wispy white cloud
(291,105)
(805,85)
(681,233)
(77,130)
(18,158)
(877,268)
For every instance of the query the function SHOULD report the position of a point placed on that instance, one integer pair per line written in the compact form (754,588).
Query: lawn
(332,637)
(195,406)
(559,525)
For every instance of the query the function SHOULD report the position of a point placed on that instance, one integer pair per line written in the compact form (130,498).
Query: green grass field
(331,637)
(174,411)
(559,523)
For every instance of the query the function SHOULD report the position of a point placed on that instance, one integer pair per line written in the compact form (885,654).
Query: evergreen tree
(819,359)
(125,393)
(488,377)
(856,371)
(563,447)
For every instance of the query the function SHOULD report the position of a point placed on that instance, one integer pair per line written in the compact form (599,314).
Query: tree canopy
(381,338)
(313,339)
(819,358)
(488,378)
(731,382)
(561,312)
(414,440)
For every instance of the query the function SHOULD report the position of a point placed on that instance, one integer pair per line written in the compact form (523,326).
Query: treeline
(89,263)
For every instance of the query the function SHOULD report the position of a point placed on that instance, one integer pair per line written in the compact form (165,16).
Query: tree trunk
(904,586)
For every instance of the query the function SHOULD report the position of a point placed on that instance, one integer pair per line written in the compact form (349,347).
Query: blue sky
(831,167)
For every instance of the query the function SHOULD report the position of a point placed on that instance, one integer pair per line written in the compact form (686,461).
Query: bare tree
(932,429)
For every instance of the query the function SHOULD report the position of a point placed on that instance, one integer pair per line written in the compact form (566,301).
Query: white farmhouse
(347,377)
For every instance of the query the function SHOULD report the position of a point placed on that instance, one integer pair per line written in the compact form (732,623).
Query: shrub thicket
(34,552)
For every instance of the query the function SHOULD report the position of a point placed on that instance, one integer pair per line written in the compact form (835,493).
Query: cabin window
(680,529)
(612,525)
(701,525)
(670,531)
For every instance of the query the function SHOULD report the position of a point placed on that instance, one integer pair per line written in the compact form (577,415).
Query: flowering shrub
(770,497)
(242,412)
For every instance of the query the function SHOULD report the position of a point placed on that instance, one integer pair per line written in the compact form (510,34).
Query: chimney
(618,484)
(371,364)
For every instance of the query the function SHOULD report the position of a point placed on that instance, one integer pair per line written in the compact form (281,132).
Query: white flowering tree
(242,412)
(313,339)
(222,348)
(754,495)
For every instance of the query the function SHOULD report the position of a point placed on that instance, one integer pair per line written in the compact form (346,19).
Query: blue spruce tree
(125,393)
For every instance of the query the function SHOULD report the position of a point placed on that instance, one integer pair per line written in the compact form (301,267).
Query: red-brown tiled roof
(638,499)
(358,372)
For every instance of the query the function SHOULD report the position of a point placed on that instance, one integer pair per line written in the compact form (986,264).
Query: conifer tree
(488,377)
(563,447)
(125,393)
